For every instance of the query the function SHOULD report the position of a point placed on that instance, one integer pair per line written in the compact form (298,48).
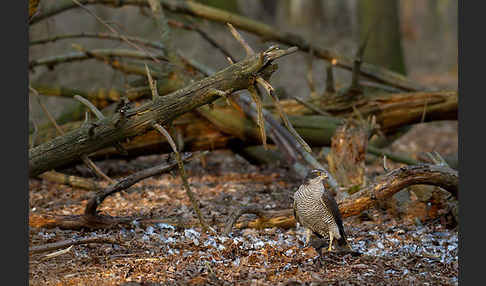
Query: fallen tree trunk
(220,125)
(383,187)
(119,127)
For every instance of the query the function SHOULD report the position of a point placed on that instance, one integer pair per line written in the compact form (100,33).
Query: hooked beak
(323,175)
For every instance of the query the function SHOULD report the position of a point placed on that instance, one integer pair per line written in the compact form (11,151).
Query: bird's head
(316,176)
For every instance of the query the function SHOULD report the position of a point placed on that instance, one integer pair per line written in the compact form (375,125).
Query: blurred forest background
(428,36)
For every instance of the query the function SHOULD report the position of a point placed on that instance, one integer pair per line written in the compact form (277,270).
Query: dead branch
(394,181)
(100,98)
(270,91)
(91,219)
(289,144)
(267,32)
(265,218)
(73,241)
(383,187)
(114,63)
(128,67)
(106,36)
(182,173)
(80,56)
(127,182)
(90,106)
(259,120)
(73,181)
(66,149)
(275,131)
(162,22)
(249,209)
(241,40)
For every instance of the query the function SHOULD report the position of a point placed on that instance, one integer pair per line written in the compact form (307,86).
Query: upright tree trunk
(381,19)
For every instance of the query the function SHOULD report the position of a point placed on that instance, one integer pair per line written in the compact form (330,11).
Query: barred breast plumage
(316,209)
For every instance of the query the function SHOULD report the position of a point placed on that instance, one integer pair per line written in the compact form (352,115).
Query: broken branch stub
(347,157)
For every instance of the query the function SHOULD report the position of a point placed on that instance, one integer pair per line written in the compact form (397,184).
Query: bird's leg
(331,237)
(308,234)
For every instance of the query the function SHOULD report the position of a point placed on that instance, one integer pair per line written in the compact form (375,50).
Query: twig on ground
(71,242)
(265,218)
(248,209)
(91,207)
(58,253)
(95,169)
(70,180)
(92,220)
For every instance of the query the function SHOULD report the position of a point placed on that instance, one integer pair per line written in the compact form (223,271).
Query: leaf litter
(393,250)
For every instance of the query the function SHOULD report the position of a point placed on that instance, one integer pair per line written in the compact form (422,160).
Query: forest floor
(418,245)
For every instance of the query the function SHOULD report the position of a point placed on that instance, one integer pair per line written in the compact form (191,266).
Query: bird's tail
(342,242)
